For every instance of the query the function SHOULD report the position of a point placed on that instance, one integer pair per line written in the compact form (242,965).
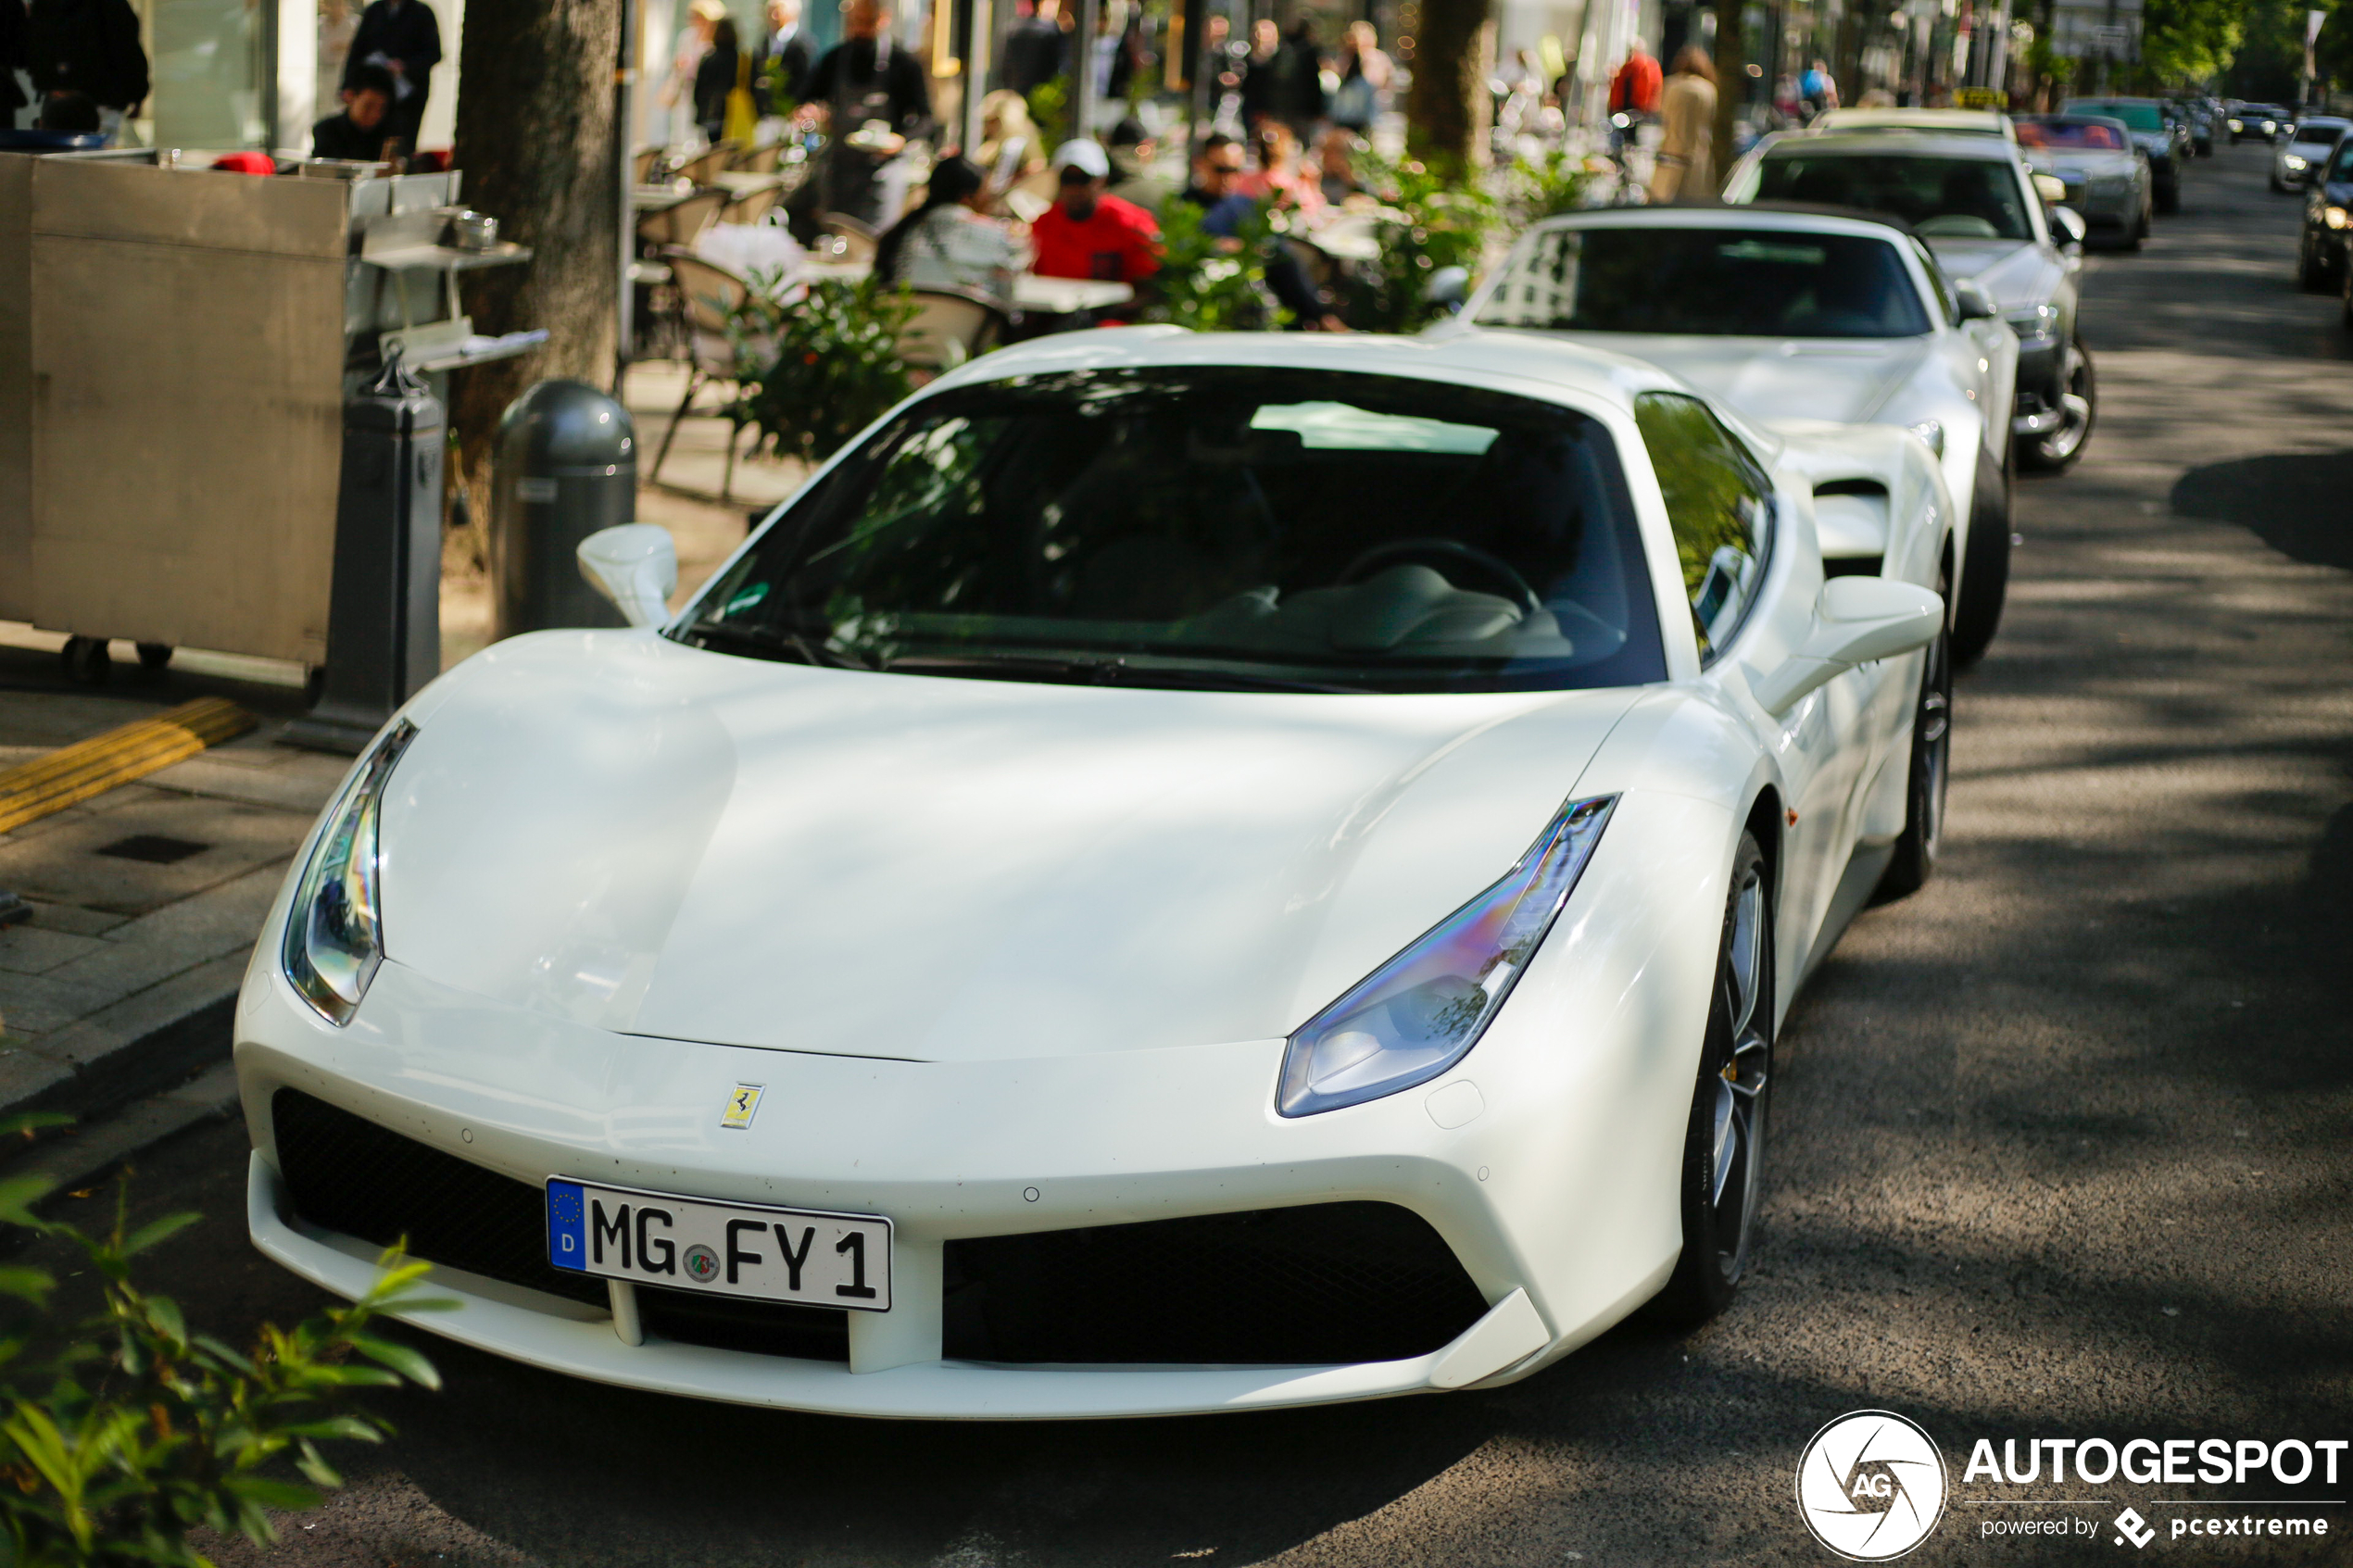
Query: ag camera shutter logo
(1871,1485)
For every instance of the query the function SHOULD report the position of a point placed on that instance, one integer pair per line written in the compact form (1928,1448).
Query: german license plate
(816,1258)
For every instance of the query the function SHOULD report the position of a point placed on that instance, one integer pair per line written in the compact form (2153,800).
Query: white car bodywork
(1012,958)
(1950,123)
(1962,375)
(2305,149)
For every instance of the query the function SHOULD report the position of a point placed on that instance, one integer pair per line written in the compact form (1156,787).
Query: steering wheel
(1449,551)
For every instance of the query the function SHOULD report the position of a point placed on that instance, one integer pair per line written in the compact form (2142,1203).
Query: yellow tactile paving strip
(31,790)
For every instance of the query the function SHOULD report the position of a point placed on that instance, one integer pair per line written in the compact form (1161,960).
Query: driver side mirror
(635,566)
(1449,288)
(1856,620)
(1976,306)
(2050,188)
(2069,224)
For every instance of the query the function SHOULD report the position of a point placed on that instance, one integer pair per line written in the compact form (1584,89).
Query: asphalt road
(2061,1146)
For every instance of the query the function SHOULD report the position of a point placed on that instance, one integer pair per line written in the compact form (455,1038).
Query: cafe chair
(857,239)
(678,224)
(949,329)
(708,297)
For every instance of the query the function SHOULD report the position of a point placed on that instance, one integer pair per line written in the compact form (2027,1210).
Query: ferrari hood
(2013,271)
(1844,380)
(664,840)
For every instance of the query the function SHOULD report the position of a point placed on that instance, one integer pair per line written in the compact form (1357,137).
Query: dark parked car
(2262,121)
(2165,139)
(2328,205)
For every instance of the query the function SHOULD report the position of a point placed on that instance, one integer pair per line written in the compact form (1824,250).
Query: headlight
(2236,126)
(2334,217)
(2036,326)
(334,939)
(1415,1016)
(2292,161)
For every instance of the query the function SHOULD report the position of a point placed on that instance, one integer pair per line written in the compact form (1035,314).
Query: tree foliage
(2190,41)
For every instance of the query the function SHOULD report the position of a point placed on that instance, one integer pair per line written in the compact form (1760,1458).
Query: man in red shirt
(1634,90)
(1091,233)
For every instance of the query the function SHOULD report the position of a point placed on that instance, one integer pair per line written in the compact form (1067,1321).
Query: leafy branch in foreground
(141,1430)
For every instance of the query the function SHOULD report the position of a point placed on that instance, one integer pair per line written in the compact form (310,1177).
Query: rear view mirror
(1976,306)
(635,566)
(1856,620)
(2069,225)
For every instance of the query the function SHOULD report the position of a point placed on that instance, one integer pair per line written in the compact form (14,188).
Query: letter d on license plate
(816,1258)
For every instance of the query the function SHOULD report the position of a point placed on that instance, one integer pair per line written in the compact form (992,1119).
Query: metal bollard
(567,468)
(384,608)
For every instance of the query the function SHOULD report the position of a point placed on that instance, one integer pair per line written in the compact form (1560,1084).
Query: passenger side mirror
(635,566)
(1974,303)
(2050,188)
(1856,620)
(2069,224)
(1449,287)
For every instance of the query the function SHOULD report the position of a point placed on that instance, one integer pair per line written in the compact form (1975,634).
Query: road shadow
(2299,503)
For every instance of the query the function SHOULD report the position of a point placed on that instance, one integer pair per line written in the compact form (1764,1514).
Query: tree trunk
(1446,107)
(535,139)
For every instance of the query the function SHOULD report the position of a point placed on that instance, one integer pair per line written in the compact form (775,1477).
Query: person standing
(1817,93)
(1299,69)
(1261,72)
(91,47)
(1365,73)
(724,70)
(1036,51)
(685,61)
(786,59)
(1634,90)
(873,97)
(1686,168)
(402,37)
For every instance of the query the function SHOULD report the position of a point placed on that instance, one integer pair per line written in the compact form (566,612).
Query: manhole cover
(154,848)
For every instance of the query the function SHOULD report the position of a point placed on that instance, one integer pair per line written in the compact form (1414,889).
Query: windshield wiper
(1104,673)
(773,642)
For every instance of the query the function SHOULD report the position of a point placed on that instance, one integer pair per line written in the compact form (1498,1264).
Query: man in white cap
(1088,233)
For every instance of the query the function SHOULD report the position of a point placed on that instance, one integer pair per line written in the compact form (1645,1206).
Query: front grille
(346,1174)
(1321,1283)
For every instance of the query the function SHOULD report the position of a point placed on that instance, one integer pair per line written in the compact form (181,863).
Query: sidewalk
(145,899)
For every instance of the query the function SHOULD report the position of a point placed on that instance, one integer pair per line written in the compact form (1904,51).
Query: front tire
(2058,448)
(1923,836)
(1723,1144)
(1985,574)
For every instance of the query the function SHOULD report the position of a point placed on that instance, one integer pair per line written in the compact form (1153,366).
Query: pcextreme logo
(1870,1485)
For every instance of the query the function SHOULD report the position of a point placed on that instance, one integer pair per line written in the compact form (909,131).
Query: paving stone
(28,949)
(154,948)
(39,1003)
(63,866)
(26,1072)
(91,1040)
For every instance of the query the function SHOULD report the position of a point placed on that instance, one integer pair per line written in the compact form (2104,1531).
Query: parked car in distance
(1973,200)
(1950,122)
(2199,118)
(2165,140)
(2321,249)
(2262,121)
(2107,176)
(1830,316)
(2304,149)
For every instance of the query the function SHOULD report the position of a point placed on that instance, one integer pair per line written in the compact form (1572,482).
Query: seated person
(948,242)
(74,113)
(1089,232)
(358,133)
(1218,188)
(1132,177)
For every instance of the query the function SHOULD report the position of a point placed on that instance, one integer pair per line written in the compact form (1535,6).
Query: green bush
(815,372)
(1205,283)
(142,1430)
(1536,189)
(1426,224)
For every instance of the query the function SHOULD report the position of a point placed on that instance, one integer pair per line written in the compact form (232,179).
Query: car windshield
(1737,281)
(1215,527)
(2069,134)
(1941,197)
(2317,135)
(2140,117)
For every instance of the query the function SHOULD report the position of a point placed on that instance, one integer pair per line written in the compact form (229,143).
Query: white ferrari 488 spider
(1178,873)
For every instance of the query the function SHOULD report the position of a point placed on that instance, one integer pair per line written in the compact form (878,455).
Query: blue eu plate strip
(567,1226)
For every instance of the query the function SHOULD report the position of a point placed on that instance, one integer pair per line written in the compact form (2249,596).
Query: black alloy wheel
(1923,836)
(2057,447)
(2345,293)
(2312,272)
(1721,1167)
(1986,573)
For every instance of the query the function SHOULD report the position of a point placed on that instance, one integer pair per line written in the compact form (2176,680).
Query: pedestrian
(1036,50)
(1260,70)
(950,243)
(725,108)
(402,37)
(873,98)
(359,133)
(787,60)
(694,42)
(1686,168)
(1634,90)
(1816,92)
(91,47)
(1363,73)
(1300,72)
(1089,232)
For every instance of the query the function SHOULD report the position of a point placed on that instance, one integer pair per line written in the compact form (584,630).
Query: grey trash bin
(567,467)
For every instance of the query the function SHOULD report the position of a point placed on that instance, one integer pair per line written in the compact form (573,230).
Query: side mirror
(635,566)
(1975,303)
(1856,620)
(2051,188)
(2069,224)
(1449,286)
